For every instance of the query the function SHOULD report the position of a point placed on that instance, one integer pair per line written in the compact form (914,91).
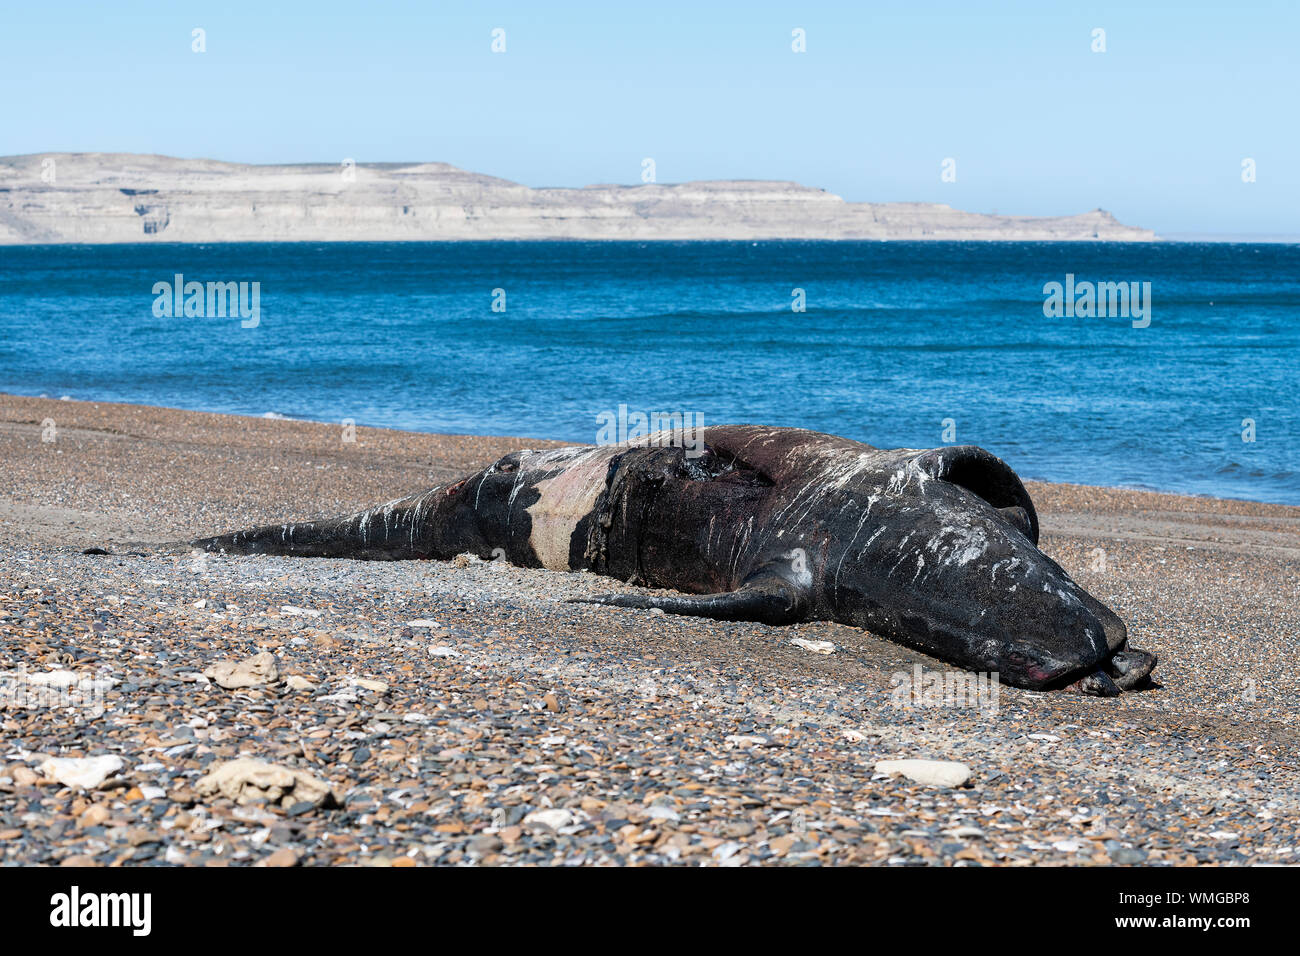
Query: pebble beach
(163,707)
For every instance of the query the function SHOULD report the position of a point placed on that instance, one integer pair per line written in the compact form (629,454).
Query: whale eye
(987,476)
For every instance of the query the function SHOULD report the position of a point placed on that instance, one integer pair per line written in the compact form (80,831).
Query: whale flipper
(769,602)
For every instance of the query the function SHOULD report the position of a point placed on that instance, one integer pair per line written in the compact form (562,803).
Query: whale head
(945,559)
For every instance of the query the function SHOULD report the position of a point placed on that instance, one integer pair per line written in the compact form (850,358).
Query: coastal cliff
(124,197)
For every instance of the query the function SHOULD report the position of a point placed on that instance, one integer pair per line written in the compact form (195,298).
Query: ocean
(911,344)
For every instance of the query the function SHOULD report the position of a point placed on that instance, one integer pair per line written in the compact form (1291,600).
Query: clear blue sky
(1154,129)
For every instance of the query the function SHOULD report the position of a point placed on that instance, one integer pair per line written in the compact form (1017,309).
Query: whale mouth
(1128,669)
(987,477)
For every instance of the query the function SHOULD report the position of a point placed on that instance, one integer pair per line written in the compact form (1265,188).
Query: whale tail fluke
(394,531)
(308,539)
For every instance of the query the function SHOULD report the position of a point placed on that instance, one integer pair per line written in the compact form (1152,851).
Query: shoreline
(271,416)
(466,713)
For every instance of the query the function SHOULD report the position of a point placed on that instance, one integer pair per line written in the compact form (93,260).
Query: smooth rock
(485,844)
(817,647)
(139,836)
(932,773)
(247,780)
(554,818)
(254,671)
(292,611)
(92,816)
(84,772)
(727,850)
(1126,856)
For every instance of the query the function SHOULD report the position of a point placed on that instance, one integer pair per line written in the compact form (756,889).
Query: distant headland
(125,197)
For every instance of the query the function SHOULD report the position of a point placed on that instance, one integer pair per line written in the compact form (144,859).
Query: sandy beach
(463,713)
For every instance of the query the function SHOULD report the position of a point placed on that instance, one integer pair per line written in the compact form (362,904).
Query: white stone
(555,818)
(84,772)
(62,679)
(932,773)
(817,647)
(247,780)
(292,611)
(251,672)
(726,851)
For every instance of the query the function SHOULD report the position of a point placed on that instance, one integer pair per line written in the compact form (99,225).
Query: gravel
(464,714)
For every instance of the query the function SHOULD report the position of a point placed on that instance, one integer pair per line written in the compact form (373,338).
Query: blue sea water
(897,337)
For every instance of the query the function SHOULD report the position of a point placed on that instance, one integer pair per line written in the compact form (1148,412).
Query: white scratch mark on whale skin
(514,493)
(870,541)
(866,513)
(1065,596)
(963,544)
(1009,564)
(904,555)
(741,540)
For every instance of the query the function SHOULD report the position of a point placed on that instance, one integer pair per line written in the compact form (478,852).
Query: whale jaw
(950,566)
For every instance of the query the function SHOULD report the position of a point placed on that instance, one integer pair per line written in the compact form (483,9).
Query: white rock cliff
(123,197)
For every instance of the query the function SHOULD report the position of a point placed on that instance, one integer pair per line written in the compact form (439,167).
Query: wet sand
(545,732)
